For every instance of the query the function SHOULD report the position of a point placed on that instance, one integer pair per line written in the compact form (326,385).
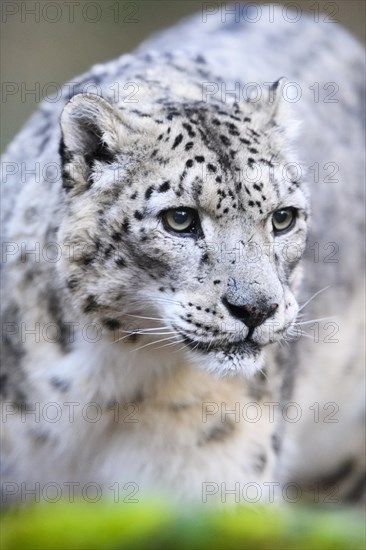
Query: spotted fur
(146,325)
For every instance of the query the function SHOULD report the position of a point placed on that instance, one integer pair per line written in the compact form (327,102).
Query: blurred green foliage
(158,525)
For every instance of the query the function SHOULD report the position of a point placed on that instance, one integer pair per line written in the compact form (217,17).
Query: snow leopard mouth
(244,347)
(243,357)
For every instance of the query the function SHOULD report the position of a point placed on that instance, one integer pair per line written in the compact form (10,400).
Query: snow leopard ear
(275,94)
(93,131)
(280,110)
(91,128)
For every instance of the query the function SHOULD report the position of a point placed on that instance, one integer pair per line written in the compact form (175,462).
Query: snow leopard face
(185,225)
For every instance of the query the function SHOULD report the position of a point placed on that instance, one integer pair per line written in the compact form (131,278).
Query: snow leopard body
(126,356)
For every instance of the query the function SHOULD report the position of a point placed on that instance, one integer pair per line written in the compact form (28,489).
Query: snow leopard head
(186,222)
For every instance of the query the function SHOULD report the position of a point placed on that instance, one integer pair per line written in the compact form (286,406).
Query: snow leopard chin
(221,363)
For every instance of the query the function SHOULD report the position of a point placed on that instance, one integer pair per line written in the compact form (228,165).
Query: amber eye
(180,220)
(283,219)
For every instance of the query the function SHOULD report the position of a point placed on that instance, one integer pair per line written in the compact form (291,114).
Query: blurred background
(49,42)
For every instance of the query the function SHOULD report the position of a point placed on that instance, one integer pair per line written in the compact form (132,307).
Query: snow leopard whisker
(310,321)
(153,342)
(143,329)
(314,296)
(135,332)
(152,333)
(155,300)
(185,346)
(296,335)
(196,346)
(170,344)
(264,374)
(143,317)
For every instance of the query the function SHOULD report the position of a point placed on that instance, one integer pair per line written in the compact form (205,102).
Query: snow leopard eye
(180,220)
(283,220)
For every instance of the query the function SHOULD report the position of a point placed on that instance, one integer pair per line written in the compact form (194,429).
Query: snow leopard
(183,272)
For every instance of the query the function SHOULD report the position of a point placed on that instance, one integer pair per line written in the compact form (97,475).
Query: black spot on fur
(14,383)
(40,437)
(173,114)
(60,384)
(265,161)
(126,226)
(55,311)
(116,236)
(72,283)
(233,132)
(108,250)
(177,141)
(276,443)
(189,129)
(90,304)
(245,141)
(261,462)
(149,192)
(217,433)
(111,324)
(164,187)
(120,262)
(200,59)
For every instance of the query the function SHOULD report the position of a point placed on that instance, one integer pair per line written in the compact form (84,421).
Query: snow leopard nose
(252,316)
